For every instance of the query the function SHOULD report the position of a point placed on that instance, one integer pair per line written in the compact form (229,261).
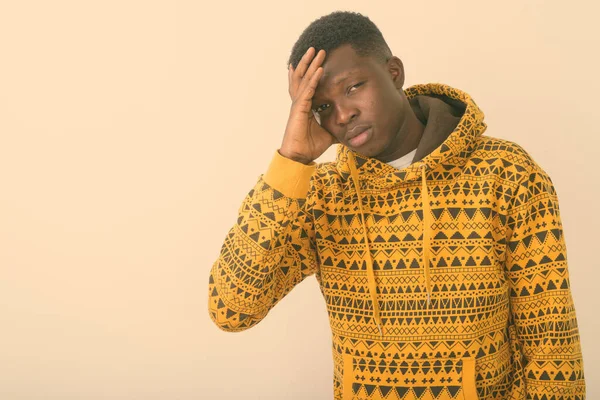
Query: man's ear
(396,70)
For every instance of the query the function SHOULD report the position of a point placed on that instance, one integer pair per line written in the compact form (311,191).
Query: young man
(439,251)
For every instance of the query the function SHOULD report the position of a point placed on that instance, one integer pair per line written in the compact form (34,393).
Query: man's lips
(357,130)
(361,138)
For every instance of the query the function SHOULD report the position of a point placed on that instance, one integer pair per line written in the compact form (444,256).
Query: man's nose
(345,114)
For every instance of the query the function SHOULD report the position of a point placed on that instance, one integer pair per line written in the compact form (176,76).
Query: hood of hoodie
(452,124)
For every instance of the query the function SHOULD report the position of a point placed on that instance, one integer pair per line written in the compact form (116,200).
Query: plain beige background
(132,130)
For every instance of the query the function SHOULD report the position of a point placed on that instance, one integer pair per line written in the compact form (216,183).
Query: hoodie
(447,279)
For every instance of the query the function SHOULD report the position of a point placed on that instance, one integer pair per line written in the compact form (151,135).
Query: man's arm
(540,295)
(268,251)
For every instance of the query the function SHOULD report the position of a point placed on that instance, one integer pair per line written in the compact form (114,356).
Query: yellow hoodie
(446,279)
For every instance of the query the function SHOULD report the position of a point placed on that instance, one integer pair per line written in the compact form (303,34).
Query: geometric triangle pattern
(501,321)
(543,311)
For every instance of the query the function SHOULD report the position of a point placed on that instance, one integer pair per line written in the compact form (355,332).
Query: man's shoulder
(517,166)
(509,152)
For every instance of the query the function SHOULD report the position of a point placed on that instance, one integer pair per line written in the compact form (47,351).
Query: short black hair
(339,28)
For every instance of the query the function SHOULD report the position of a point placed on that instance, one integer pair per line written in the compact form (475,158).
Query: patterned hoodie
(446,279)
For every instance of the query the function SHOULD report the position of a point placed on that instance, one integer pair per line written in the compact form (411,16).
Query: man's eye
(357,85)
(318,109)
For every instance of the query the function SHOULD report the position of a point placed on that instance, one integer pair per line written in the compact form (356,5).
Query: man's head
(371,94)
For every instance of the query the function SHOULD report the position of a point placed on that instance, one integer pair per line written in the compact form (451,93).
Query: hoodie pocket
(373,378)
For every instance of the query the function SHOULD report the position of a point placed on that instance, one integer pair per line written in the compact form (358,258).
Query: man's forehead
(337,76)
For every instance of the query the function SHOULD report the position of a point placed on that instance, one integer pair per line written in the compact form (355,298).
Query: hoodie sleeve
(268,251)
(540,292)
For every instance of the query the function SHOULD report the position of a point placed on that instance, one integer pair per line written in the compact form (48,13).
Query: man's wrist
(294,158)
(288,176)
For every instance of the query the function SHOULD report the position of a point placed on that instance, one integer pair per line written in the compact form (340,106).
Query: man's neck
(407,139)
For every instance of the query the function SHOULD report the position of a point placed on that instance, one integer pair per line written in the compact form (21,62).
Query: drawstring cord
(426,232)
(372,284)
(370,272)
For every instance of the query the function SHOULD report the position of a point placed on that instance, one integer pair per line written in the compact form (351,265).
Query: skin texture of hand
(305,139)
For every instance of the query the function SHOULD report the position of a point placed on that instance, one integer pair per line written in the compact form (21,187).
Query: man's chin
(373,151)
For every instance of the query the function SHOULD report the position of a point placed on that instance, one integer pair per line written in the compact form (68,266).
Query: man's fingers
(306,66)
(303,64)
(308,90)
(307,79)
(314,79)
(301,77)
(297,74)
(290,72)
(315,63)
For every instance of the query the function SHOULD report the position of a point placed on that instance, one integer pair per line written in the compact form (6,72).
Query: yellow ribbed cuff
(288,176)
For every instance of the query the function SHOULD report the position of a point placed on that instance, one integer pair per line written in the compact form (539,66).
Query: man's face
(370,95)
